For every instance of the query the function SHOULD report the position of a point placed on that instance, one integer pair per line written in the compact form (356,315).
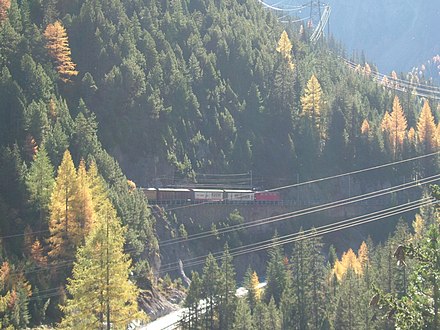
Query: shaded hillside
(168,89)
(396,35)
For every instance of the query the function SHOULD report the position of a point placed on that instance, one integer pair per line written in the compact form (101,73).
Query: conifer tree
(273,316)
(251,284)
(385,125)
(64,229)
(365,128)
(285,49)
(211,284)
(40,181)
(4,7)
(58,48)
(367,69)
(97,187)
(103,297)
(243,318)
(412,135)
(193,298)
(227,288)
(276,275)
(314,268)
(397,126)
(426,129)
(311,101)
(84,204)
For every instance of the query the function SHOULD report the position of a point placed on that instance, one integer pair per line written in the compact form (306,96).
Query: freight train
(204,195)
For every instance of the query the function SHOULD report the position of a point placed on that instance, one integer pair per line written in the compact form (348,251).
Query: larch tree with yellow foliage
(102,295)
(285,49)
(427,138)
(426,129)
(63,225)
(4,7)
(251,284)
(84,200)
(397,127)
(365,127)
(97,186)
(311,101)
(348,271)
(57,44)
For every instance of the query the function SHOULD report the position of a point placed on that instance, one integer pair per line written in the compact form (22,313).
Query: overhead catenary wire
(309,233)
(384,212)
(281,217)
(299,184)
(264,221)
(394,79)
(301,212)
(420,90)
(294,185)
(318,231)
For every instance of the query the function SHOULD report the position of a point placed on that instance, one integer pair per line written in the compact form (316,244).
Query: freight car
(239,196)
(207,195)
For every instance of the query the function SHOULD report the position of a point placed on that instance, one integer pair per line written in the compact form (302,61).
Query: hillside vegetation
(165,88)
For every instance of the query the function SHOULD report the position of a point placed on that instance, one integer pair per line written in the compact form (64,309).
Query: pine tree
(227,287)
(193,298)
(58,48)
(276,275)
(315,272)
(273,316)
(40,181)
(64,229)
(211,285)
(243,318)
(103,297)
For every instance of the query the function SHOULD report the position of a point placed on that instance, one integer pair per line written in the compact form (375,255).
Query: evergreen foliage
(102,294)
(179,88)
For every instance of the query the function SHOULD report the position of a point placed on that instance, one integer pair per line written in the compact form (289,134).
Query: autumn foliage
(349,261)
(426,128)
(57,45)
(285,49)
(4,7)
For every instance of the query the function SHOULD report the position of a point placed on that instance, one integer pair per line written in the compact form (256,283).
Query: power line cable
(284,216)
(311,233)
(341,225)
(297,213)
(299,184)
(263,221)
(381,212)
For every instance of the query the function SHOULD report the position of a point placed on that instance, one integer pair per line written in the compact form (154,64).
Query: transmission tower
(315,14)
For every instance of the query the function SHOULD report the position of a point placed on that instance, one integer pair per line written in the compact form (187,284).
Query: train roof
(174,189)
(239,191)
(207,190)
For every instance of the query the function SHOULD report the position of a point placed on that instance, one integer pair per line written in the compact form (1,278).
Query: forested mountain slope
(166,88)
(396,35)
